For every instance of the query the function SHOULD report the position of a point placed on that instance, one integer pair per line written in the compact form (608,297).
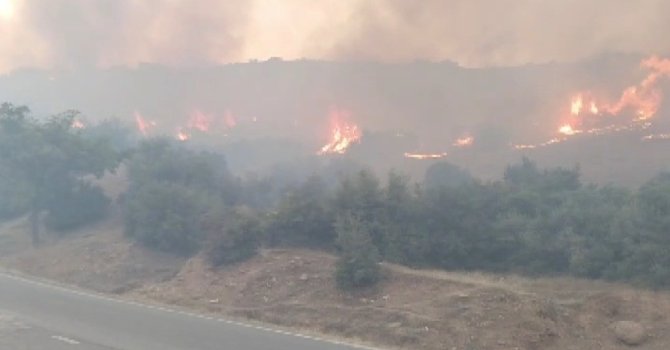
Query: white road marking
(65,339)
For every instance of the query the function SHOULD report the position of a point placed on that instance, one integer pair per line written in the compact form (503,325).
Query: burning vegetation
(635,109)
(343,133)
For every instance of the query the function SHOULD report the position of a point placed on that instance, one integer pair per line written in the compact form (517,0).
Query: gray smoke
(72,33)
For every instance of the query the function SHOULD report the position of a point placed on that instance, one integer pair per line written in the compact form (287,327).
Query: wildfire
(143,125)
(230,121)
(576,105)
(567,130)
(182,135)
(640,102)
(199,121)
(643,99)
(424,156)
(553,141)
(656,137)
(464,141)
(78,124)
(343,134)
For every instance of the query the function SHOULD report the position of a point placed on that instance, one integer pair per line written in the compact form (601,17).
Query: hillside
(263,113)
(410,309)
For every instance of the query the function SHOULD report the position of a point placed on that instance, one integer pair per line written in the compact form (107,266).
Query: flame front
(567,130)
(644,99)
(576,105)
(638,103)
(78,124)
(464,141)
(424,156)
(343,134)
(199,121)
(182,135)
(230,121)
(143,126)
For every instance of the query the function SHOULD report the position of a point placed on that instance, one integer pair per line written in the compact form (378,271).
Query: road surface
(38,315)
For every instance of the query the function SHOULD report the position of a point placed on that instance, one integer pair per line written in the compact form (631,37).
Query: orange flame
(199,121)
(656,137)
(645,98)
(142,124)
(576,105)
(78,124)
(567,130)
(343,134)
(464,141)
(182,135)
(230,120)
(424,156)
(642,100)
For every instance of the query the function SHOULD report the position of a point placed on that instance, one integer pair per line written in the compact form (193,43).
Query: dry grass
(410,309)
(420,309)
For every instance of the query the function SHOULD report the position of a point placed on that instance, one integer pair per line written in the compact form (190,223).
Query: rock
(304,277)
(629,332)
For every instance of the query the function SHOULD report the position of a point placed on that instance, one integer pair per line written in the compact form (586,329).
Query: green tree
(444,174)
(234,235)
(171,189)
(14,195)
(460,227)
(166,217)
(362,196)
(77,207)
(49,157)
(120,136)
(647,241)
(402,222)
(358,264)
(304,217)
(527,175)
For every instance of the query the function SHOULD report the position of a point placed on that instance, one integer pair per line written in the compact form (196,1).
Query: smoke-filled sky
(64,34)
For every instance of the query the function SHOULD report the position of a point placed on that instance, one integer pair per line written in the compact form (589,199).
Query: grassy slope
(411,309)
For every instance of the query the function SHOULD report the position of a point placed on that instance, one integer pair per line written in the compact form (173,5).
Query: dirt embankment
(410,309)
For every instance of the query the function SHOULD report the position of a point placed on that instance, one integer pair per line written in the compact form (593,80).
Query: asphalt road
(19,334)
(37,315)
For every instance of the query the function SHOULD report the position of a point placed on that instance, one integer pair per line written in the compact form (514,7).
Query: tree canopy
(48,160)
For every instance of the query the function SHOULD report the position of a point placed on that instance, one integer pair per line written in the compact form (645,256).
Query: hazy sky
(71,33)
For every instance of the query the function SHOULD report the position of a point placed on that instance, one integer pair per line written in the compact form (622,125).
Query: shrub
(14,198)
(85,204)
(234,238)
(166,217)
(358,265)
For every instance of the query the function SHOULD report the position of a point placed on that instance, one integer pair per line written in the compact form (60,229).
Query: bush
(85,204)
(304,217)
(14,198)
(166,217)
(233,239)
(358,265)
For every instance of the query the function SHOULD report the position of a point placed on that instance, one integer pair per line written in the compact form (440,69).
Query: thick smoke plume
(71,33)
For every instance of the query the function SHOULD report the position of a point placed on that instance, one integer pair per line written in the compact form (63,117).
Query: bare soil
(410,309)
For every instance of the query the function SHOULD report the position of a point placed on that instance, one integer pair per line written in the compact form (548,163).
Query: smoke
(73,33)
(505,32)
